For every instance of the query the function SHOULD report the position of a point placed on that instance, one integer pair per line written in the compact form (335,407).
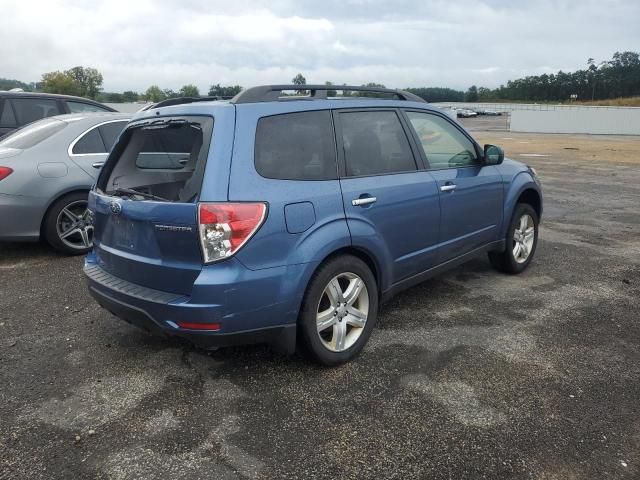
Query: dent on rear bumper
(243,301)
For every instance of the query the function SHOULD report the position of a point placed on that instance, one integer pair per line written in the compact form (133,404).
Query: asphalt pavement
(473,374)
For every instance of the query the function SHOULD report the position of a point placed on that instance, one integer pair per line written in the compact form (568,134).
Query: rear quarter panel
(273,245)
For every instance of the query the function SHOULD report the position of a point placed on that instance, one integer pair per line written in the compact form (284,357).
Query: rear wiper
(131,191)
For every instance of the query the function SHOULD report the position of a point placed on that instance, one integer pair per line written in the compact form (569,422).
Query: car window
(31,109)
(78,107)
(168,147)
(110,132)
(90,142)
(7,118)
(444,145)
(32,134)
(375,143)
(296,146)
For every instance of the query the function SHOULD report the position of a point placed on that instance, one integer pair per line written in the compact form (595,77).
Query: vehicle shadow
(16,252)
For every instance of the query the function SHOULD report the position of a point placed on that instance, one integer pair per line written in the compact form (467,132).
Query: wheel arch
(362,254)
(531,197)
(53,200)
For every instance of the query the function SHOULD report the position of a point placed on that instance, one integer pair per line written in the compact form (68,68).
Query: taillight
(5,172)
(226,227)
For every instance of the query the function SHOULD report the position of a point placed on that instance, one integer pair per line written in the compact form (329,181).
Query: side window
(7,118)
(296,146)
(78,107)
(110,132)
(90,142)
(444,145)
(375,143)
(31,109)
(174,148)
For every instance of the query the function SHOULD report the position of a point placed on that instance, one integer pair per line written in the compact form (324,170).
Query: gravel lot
(470,375)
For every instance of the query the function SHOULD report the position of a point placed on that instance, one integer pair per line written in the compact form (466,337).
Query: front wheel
(521,241)
(339,310)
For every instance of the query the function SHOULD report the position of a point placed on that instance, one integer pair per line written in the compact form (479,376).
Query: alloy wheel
(523,238)
(342,311)
(74,226)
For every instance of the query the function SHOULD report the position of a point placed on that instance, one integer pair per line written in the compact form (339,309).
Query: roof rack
(273,93)
(180,100)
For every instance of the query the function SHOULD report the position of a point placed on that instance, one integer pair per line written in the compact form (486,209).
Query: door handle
(98,165)
(358,202)
(448,188)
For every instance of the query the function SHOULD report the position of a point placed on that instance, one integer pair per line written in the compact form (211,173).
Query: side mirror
(493,155)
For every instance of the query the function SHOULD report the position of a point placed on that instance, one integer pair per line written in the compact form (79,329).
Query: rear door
(90,149)
(471,193)
(142,239)
(391,204)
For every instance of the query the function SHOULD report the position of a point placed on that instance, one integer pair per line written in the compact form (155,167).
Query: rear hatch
(145,203)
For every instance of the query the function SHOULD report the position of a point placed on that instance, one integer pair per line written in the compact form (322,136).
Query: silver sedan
(46,171)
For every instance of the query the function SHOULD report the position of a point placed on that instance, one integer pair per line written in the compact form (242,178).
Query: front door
(471,194)
(392,208)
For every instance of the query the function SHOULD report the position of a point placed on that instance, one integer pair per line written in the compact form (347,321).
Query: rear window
(90,143)
(168,148)
(31,109)
(165,158)
(110,132)
(296,146)
(7,118)
(79,107)
(375,143)
(33,134)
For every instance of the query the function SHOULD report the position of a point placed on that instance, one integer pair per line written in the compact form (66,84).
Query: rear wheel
(521,241)
(339,310)
(67,226)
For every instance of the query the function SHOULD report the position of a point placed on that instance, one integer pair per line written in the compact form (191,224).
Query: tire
(69,213)
(513,259)
(346,317)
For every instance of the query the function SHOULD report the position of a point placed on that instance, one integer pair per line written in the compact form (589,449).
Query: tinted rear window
(32,134)
(296,146)
(375,143)
(110,132)
(31,109)
(7,118)
(91,142)
(167,148)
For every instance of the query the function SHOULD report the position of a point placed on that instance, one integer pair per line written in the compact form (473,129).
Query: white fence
(609,121)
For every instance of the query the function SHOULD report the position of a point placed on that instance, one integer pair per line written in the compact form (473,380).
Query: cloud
(402,43)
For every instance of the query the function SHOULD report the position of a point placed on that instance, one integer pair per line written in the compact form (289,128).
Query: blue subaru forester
(285,215)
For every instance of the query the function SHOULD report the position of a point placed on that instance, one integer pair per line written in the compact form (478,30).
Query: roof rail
(180,100)
(273,93)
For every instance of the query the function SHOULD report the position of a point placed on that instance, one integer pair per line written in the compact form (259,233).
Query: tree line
(614,78)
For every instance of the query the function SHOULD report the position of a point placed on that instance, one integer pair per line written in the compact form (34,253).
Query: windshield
(32,134)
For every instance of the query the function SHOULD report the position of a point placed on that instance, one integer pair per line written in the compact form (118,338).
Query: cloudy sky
(456,43)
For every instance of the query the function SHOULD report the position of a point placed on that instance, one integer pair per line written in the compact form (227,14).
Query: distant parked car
(466,113)
(46,171)
(492,113)
(17,109)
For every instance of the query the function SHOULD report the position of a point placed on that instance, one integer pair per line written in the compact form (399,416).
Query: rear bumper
(160,312)
(20,217)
